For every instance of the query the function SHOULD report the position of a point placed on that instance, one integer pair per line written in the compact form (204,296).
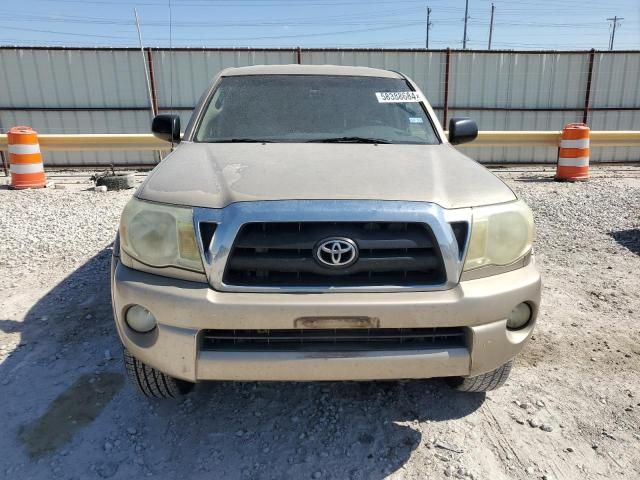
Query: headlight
(160,235)
(500,235)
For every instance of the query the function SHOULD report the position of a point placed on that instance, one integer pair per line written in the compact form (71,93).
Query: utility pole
(466,17)
(614,24)
(493,9)
(428,25)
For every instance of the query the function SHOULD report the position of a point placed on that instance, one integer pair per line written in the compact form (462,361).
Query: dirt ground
(571,409)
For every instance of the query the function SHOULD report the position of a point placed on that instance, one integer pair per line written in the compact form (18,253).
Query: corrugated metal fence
(67,90)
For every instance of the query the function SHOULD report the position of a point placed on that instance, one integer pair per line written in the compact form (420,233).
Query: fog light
(140,319)
(519,316)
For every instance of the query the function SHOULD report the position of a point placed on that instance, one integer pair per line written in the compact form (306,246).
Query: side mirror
(166,127)
(462,130)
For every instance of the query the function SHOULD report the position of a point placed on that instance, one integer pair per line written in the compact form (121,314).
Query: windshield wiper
(242,140)
(348,140)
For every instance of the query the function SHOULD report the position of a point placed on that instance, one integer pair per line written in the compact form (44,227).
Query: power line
(614,24)
(361,19)
(231,3)
(383,17)
(53,32)
(290,22)
(528,29)
(265,37)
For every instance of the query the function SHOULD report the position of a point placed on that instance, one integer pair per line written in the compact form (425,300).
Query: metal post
(428,25)
(4,164)
(145,64)
(152,81)
(466,17)
(3,159)
(493,9)
(587,94)
(155,108)
(446,88)
(299,55)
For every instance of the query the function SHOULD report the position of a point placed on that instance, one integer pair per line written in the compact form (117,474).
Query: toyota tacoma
(316,223)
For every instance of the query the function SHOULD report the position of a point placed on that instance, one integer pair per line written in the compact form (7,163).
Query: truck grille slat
(333,339)
(294,262)
(281,254)
(289,236)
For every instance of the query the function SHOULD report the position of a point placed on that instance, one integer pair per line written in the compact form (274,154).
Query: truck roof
(309,70)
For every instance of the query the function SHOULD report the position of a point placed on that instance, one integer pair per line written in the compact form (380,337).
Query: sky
(518,25)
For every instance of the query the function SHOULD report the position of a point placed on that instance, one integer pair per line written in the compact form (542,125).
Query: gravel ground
(570,410)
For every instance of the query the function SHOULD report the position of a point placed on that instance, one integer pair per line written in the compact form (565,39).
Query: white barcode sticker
(398,97)
(415,120)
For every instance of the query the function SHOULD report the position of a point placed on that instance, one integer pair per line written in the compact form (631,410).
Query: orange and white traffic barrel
(25,160)
(573,156)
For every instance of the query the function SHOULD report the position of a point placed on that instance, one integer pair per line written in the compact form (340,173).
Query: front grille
(356,339)
(281,255)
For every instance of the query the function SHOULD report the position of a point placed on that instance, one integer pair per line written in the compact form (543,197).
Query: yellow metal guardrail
(598,138)
(146,141)
(95,141)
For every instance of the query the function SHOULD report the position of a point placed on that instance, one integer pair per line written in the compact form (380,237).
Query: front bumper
(185,308)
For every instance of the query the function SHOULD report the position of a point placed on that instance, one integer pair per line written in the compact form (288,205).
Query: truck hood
(216,175)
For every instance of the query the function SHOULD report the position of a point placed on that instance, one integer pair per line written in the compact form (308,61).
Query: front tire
(485,382)
(152,383)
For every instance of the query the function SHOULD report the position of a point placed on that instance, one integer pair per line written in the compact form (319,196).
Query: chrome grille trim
(231,219)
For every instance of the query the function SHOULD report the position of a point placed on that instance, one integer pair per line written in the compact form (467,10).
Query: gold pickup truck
(316,223)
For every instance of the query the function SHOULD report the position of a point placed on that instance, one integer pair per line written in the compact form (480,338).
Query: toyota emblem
(336,252)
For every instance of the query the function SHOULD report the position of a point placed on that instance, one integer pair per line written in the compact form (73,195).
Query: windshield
(315,108)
